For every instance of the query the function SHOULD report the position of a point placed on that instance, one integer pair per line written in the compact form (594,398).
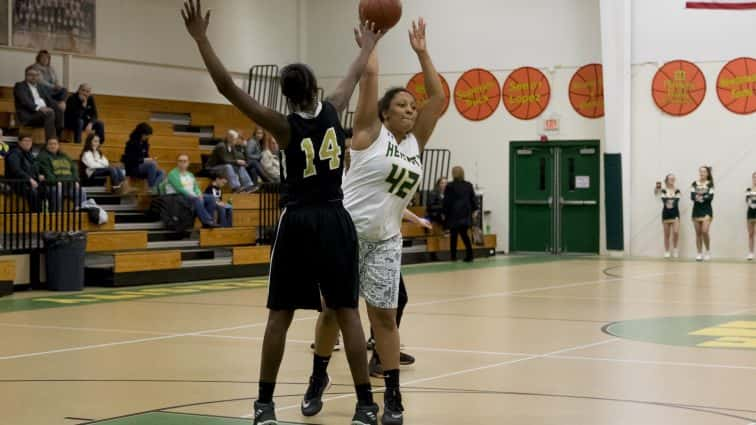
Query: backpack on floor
(175,211)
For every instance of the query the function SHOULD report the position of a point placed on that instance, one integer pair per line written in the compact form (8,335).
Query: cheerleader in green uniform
(751,200)
(670,197)
(702,193)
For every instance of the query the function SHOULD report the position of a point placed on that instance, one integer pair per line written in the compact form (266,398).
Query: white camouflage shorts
(380,267)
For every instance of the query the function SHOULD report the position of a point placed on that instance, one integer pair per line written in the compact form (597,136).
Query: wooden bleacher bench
(139,261)
(230,236)
(251,255)
(116,241)
(442,243)
(7,276)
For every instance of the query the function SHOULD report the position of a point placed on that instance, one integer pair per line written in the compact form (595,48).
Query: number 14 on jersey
(329,151)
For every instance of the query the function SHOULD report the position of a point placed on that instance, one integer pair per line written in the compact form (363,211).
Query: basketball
(587,91)
(526,93)
(679,88)
(476,94)
(735,86)
(384,13)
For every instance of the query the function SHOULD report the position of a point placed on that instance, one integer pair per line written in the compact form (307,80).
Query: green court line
(176,289)
(166,418)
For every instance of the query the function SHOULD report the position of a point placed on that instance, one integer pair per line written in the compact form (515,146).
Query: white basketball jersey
(381,181)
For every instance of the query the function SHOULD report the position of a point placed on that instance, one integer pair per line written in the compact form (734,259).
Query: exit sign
(551,124)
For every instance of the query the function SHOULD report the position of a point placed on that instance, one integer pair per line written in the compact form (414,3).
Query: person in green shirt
(182,182)
(61,175)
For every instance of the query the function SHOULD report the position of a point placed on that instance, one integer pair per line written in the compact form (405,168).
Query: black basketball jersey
(313,162)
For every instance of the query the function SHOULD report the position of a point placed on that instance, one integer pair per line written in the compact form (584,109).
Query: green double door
(554,197)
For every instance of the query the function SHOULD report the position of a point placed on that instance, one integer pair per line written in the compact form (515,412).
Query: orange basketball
(679,88)
(526,93)
(587,91)
(736,86)
(416,86)
(385,13)
(476,94)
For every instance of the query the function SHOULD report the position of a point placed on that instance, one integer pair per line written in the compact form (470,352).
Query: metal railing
(27,213)
(436,164)
(270,212)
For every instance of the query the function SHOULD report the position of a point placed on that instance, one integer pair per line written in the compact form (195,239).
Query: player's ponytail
(299,85)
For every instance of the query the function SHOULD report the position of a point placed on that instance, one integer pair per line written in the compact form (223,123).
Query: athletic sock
(266,392)
(392,381)
(320,366)
(364,394)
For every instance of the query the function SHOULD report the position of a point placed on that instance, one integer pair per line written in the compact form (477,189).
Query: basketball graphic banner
(476,94)
(679,88)
(587,91)
(722,4)
(736,86)
(416,86)
(526,93)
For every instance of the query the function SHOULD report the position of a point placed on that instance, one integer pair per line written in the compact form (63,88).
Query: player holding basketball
(670,197)
(316,248)
(702,194)
(389,137)
(751,200)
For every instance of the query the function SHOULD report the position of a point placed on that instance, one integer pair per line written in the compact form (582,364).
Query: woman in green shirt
(702,194)
(181,181)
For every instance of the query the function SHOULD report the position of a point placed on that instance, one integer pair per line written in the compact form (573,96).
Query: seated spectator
(435,209)
(254,156)
(35,107)
(20,165)
(181,181)
(136,157)
(270,161)
(229,157)
(225,210)
(81,114)
(49,79)
(61,175)
(4,148)
(97,165)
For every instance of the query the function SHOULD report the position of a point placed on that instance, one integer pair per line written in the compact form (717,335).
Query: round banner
(526,93)
(476,94)
(679,88)
(416,86)
(587,91)
(736,86)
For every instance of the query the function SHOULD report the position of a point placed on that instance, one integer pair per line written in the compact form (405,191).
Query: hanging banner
(476,94)
(679,88)
(736,86)
(526,93)
(587,91)
(416,86)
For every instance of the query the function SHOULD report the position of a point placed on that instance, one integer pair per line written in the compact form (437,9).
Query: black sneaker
(406,359)
(365,415)
(313,399)
(375,368)
(393,410)
(265,414)
(371,344)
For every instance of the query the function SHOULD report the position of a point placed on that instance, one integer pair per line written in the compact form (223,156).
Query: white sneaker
(667,255)
(699,257)
(750,257)
(707,257)
(676,253)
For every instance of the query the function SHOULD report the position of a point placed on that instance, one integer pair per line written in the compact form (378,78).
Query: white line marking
(465,371)
(140,340)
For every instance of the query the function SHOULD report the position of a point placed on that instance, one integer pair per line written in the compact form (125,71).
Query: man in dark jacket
(20,165)
(35,107)
(81,114)
(61,174)
(230,157)
(460,204)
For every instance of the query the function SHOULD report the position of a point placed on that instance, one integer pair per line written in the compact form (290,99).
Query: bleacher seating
(134,248)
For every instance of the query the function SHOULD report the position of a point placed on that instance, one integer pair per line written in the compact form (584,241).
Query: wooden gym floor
(509,340)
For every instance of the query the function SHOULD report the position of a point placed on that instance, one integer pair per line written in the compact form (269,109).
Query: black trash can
(64,260)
